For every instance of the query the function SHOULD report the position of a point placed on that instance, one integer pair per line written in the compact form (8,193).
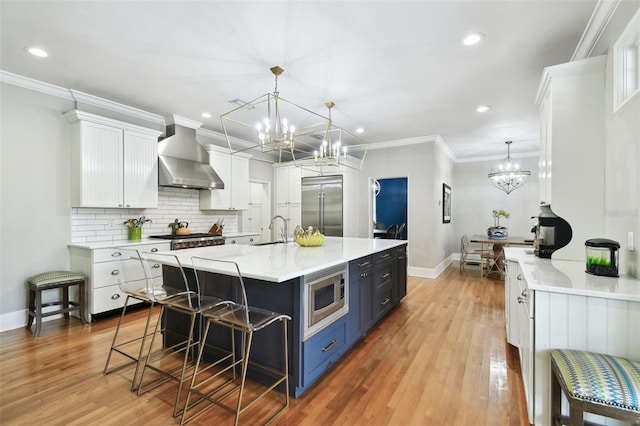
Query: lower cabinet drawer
(323,349)
(383,300)
(107,298)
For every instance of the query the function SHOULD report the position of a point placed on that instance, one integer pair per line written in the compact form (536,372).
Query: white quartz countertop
(239,234)
(282,262)
(563,276)
(117,243)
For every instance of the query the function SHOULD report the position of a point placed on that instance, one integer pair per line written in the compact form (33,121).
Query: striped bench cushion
(600,378)
(54,277)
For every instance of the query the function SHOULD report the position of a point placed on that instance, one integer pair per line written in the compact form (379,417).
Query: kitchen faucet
(285,229)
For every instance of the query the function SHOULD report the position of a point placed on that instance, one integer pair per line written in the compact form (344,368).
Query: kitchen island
(274,276)
(555,304)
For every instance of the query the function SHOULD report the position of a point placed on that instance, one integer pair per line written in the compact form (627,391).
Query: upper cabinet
(234,172)
(113,164)
(288,185)
(571,101)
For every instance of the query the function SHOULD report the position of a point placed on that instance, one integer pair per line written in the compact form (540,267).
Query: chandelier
(275,130)
(509,174)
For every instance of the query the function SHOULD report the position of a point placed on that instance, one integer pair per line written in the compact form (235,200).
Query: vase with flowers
(135,227)
(498,232)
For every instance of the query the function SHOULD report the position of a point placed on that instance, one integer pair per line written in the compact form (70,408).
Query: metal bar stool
(214,382)
(596,383)
(52,280)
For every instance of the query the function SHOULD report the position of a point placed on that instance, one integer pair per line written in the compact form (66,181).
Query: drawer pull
(330,345)
(250,240)
(384,256)
(115,296)
(385,275)
(156,266)
(385,302)
(363,264)
(115,272)
(153,250)
(364,274)
(116,254)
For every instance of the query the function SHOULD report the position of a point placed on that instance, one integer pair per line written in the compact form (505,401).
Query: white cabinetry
(244,239)
(520,321)
(571,100)
(234,172)
(288,198)
(113,164)
(101,267)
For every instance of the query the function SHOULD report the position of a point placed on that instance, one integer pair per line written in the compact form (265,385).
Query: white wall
(622,174)
(35,223)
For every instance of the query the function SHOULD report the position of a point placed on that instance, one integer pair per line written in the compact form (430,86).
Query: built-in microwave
(325,298)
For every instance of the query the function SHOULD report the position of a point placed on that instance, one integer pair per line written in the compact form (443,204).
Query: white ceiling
(396,68)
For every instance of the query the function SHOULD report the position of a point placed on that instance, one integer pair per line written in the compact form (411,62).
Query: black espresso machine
(552,232)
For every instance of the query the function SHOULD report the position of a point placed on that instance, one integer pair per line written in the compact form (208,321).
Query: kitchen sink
(267,243)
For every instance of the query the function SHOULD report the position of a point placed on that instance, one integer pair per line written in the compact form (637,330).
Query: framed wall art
(446,203)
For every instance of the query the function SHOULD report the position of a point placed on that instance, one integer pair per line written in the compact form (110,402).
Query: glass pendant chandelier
(330,151)
(277,134)
(509,175)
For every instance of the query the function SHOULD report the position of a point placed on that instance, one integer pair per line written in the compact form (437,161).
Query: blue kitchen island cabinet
(376,278)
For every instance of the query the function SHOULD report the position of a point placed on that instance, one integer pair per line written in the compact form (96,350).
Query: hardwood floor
(440,358)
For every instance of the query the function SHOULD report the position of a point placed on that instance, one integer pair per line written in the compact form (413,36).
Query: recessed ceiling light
(483,108)
(359,130)
(36,51)
(472,39)
(206,115)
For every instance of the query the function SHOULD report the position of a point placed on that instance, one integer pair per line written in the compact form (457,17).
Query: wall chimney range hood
(183,162)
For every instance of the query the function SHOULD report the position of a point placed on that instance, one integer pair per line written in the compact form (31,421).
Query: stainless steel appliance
(181,242)
(325,299)
(552,232)
(322,204)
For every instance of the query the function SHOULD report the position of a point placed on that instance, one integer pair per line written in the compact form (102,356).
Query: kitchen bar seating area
(416,379)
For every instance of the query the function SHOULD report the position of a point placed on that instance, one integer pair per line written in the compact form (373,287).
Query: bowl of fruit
(309,237)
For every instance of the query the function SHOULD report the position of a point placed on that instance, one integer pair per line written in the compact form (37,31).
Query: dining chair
(391,231)
(213,382)
(400,231)
(471,256)
(172,351)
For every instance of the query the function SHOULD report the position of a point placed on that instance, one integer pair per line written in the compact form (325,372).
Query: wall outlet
(630,241)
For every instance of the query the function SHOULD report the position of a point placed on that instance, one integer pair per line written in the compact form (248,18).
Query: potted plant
(496,231)
(135,227)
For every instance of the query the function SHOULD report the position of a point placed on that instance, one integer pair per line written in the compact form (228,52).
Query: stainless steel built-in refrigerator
(322,204)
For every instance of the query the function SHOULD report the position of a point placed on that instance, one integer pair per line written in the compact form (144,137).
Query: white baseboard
(18,319)
(431,273)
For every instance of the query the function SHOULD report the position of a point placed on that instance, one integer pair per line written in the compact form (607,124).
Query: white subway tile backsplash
(95,225)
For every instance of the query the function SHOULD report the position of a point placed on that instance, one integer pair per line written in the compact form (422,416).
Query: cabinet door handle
(153,250)
(385,302)
(519,277)
(116,254)
(115,272)
(524,293)
(329,346)
(157,265)
(520,299)
(364,274)
(115,296)
(363,264)
(384,256)
(386,275)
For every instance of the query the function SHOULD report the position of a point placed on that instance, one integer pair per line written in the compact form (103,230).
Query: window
(626,63)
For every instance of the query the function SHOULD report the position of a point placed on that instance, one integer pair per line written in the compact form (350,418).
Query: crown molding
(500,157)
(117,107)
(596,26)
(77,115)
(35,85)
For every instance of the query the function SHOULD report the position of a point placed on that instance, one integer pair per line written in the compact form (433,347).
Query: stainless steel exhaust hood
(183,162)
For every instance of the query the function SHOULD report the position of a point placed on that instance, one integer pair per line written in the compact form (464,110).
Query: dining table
(495,246)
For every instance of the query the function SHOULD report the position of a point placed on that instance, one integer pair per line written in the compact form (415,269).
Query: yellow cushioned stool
(51,280)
